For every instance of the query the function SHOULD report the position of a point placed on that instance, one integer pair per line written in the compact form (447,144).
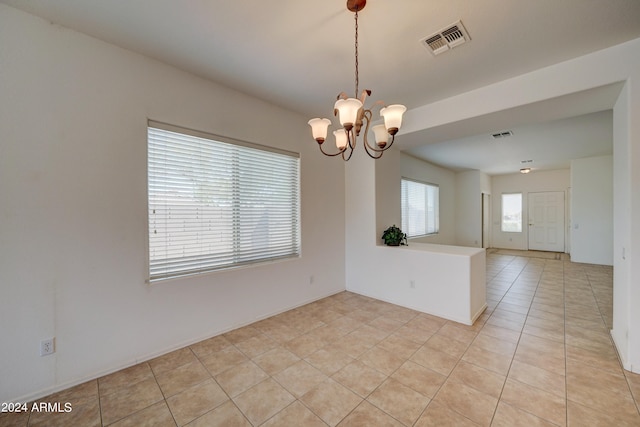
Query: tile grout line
(506,376)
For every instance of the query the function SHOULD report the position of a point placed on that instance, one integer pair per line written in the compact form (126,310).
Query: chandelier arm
(393,138)
(330,154)
(373,156)
(380,150)
(351,143)
(372,151)
(364,94)
(367,114)
(351,138)
(346,159)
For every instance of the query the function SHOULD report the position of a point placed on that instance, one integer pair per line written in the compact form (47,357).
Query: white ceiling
(300,55)
(547,145)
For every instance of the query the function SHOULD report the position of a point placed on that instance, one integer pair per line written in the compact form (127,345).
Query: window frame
(406,229)
(293,184)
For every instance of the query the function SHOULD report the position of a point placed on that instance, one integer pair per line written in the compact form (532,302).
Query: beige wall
(73,116)
(591,227)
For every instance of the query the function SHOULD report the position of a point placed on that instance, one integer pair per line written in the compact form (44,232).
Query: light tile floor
(541,355)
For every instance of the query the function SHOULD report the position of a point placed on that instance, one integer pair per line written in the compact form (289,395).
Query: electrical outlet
(412,284)
(311,279)
(47,347)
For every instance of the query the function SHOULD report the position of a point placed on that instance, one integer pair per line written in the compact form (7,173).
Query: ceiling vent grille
(504,134)
(452,36)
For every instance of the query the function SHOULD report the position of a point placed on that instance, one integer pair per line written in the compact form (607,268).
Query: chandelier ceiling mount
(356,5)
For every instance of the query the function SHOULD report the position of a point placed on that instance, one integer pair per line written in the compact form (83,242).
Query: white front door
(546,221)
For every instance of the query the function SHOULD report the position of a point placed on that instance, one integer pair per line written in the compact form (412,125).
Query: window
(512,212)
(420,211)
(218,203)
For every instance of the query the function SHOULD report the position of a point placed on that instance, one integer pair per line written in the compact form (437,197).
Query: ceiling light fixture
(525,170)
(352,115)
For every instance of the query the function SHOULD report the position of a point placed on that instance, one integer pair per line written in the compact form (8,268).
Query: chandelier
(353,115)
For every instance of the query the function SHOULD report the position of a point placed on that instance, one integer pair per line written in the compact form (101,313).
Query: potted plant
(393,236)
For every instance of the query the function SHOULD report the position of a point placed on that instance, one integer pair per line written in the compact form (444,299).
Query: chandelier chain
(356,44)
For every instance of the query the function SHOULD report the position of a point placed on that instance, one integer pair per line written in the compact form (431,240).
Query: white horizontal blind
(215,204)
(420,210)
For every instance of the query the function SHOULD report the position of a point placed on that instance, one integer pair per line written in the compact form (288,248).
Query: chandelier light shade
(341,138)
(319,129)
(353,116)
(393,117)
(381,135)
(348,111)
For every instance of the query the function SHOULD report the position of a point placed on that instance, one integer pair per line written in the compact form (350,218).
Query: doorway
(546,221)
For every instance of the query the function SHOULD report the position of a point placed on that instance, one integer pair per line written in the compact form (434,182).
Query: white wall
(73,115)
(413,168)
(447,281)
(626,230)
(536,181)
(629,178)
(485,189)
(485,183)
(388,193)
(592,210)
(469,188)
(622,222)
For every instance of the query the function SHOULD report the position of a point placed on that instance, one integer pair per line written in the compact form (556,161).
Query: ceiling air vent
(504,134)
(447,38)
